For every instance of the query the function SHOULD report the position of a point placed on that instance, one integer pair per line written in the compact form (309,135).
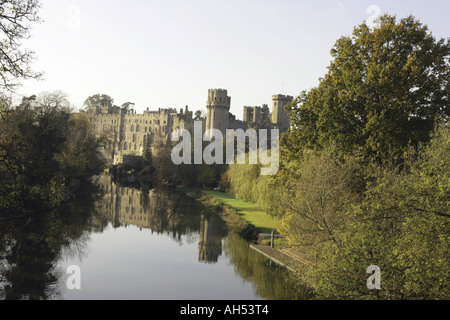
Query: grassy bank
(250,212)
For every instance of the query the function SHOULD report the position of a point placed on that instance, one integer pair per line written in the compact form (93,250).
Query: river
(133,244)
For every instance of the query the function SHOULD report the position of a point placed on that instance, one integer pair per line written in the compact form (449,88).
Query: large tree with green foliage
(97,101)
(385,89)
(42,148)
(342,202)
(401,225)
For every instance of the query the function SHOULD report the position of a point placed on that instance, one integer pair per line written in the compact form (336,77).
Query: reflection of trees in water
(31,246)
(159,210)
(253,267)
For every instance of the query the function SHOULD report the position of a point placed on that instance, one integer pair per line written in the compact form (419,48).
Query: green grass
(250,212)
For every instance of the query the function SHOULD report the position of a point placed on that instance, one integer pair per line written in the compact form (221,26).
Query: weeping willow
(249,185)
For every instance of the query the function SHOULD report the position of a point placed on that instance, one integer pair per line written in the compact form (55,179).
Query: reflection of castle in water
(162,212)
(210,244)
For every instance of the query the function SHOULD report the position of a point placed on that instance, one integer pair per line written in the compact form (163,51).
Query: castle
(129,133)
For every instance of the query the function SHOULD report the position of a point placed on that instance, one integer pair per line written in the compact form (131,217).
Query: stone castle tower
(129,133)
(217,110)
(256,114)
(279,115)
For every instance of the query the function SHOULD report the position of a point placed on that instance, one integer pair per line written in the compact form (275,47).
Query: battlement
(282,97)
(129,131)
(256,114)
(218,97)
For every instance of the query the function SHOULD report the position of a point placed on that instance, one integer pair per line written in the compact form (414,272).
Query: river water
(128,243)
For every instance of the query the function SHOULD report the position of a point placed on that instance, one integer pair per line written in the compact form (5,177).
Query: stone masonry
(128,133)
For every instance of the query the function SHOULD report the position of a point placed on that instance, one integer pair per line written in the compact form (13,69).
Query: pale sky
(168,53)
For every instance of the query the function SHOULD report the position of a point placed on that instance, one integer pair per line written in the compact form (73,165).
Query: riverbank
(253,215)
(283,257)
(250,212)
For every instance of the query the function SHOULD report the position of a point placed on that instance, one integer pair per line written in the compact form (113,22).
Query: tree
(206,176)
(385,89)
(42,148)
(96,101)
(314,203)
(128,105)
(199,114)
(402,226)
(80,156)
(16,17)
(30,138)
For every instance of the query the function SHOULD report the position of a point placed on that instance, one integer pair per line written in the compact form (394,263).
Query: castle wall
(128,132)
(256,114)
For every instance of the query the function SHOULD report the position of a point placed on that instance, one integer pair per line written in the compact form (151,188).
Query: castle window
(132,127)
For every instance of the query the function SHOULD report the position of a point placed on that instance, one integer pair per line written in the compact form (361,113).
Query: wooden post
(272,239)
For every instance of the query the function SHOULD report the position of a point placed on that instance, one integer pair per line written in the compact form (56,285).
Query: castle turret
(279,115)
(217,110)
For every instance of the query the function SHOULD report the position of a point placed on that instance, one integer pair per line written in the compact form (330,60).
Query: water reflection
(32,249)
(270,281)
(161,211)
